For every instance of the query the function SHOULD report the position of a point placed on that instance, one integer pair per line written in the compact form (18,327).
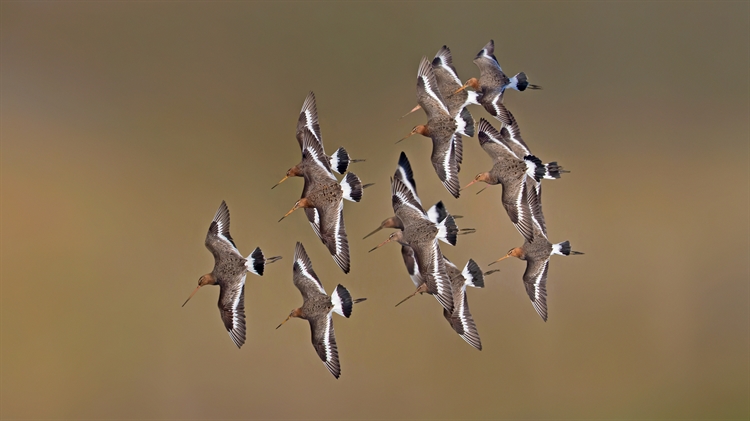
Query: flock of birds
(444,98)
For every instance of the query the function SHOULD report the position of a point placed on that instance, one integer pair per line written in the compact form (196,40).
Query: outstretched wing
(535,280)
(428,95)
(304,277)
(308,119)
(324,341)
(232,309)
(445,164)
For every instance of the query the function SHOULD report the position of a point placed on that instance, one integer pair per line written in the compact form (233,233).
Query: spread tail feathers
(564,249)
(352,187)
(535,168)
(256,262)
(520,82)
(342,301)
(472,274)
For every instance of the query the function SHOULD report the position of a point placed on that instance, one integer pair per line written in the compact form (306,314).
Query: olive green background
(124,126)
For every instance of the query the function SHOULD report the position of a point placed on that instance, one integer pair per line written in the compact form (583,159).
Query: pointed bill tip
(468,185)
(412,110)
(381,244)
(400,302)
(282,180)
(191,295)
(376,230)
(502,258)
(285,320)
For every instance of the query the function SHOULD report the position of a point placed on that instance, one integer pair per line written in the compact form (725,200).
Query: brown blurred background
(124,126)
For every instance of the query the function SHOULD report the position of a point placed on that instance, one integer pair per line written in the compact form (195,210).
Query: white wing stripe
(449,70)
(327,339)
(406,182)
(304,271)
(447,161)
(337,228)
(407,202)
(431,92)
(538,281)
(436,268)
(309,125)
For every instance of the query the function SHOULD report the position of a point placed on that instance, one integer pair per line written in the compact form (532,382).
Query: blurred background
(124,126)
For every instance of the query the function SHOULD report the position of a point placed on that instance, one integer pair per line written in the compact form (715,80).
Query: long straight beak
(404,138)
(461,88)
(191,295)
(381,244)
(412,110)
(282,180)
(467,186)
(504,257)
(415,293)
(287,319)
(376,230)
(296,206)
(480,192)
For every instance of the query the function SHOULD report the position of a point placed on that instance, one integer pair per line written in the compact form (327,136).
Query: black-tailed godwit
(324,196)
(317,309)
(230,268)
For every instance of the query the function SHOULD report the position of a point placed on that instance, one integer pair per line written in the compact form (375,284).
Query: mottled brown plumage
(230,268)
(317,307)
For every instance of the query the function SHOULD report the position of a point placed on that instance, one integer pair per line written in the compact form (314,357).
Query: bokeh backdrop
(124,126)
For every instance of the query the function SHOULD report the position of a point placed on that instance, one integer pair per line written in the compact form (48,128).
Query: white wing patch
(319,161)
(305,272)
(316,222)
(449,70)
(460,124)
(329,362)
(236,320)
(431,92)
(406,202)
(537,287)
(432,214)
(309,124)
(436,268)
(499,142)
(468,278)
(337,228)
(472,98)
(408,185)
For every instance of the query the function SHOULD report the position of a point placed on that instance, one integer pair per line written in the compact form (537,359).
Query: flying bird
(318,307)
(230,268)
